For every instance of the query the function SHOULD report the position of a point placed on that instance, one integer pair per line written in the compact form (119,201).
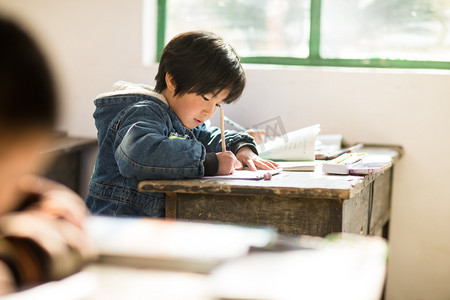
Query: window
(364,33)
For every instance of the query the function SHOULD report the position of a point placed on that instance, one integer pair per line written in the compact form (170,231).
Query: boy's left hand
(248,158)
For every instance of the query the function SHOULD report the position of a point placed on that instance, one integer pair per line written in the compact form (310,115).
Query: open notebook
(246,174)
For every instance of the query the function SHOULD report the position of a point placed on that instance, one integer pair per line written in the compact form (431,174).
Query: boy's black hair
(201,62)
(27,92)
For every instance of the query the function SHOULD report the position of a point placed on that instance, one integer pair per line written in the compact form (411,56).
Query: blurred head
(199,65)
(27,109)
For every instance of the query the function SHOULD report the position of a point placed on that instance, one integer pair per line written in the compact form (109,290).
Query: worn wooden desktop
(310,203)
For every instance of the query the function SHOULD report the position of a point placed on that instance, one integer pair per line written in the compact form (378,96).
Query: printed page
(295,145)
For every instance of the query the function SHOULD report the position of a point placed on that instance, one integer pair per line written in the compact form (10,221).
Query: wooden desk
(310,203)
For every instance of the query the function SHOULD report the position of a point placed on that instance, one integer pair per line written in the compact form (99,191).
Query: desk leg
(171,205)
(370,210)
(386,230)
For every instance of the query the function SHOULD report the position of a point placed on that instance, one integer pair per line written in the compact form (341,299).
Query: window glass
(277,28)
(394,29)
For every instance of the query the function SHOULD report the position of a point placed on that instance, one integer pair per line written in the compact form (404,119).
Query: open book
(188,246)
(294,145)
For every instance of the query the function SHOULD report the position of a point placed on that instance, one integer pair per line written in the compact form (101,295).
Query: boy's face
(193,109)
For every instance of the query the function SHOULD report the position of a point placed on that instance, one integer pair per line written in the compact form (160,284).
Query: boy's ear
(170,83)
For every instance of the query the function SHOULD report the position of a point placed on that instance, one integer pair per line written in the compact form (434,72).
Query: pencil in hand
(222,130)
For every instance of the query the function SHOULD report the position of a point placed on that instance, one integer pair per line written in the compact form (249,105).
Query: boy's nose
(208,111)
(206,114)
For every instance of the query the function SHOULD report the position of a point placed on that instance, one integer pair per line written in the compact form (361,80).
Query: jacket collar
(124,88)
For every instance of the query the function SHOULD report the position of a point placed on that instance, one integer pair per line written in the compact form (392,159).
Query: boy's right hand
(228,163)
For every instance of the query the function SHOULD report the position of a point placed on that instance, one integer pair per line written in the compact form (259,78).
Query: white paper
(294,145)
(297,165)
(245,174)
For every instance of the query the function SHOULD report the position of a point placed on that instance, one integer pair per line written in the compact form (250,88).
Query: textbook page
(294,145)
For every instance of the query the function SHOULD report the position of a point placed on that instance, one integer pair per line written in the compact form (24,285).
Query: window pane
(253,27)
(395,29)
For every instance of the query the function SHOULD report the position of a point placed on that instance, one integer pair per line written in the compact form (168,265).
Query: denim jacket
(140,137)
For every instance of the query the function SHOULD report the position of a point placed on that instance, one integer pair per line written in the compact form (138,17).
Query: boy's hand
(55,199)
(55,223)
(227,163)
(248,158)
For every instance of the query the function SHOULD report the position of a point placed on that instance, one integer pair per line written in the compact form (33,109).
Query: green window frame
(314,58)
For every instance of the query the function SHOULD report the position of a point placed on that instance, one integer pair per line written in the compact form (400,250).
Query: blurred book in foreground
(188,246)
(343,266)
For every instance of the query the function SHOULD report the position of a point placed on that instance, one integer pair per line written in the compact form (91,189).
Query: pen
(347,150)
(222,130)
(234,124)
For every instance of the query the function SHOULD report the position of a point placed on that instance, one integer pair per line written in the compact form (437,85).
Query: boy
(159,133)
(41,237)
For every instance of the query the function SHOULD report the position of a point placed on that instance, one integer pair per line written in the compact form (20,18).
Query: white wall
(91,45)
(94,43)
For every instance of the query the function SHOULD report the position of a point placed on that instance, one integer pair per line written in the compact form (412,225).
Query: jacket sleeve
(212,140)
(145,149)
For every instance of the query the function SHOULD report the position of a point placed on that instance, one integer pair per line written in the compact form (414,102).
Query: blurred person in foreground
(41,234)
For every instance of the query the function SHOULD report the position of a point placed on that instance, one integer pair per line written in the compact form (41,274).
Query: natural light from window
(406,29)
(254,27)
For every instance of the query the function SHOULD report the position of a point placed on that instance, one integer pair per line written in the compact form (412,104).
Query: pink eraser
(267,176)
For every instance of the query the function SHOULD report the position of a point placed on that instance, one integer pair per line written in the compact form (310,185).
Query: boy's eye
(204,98)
